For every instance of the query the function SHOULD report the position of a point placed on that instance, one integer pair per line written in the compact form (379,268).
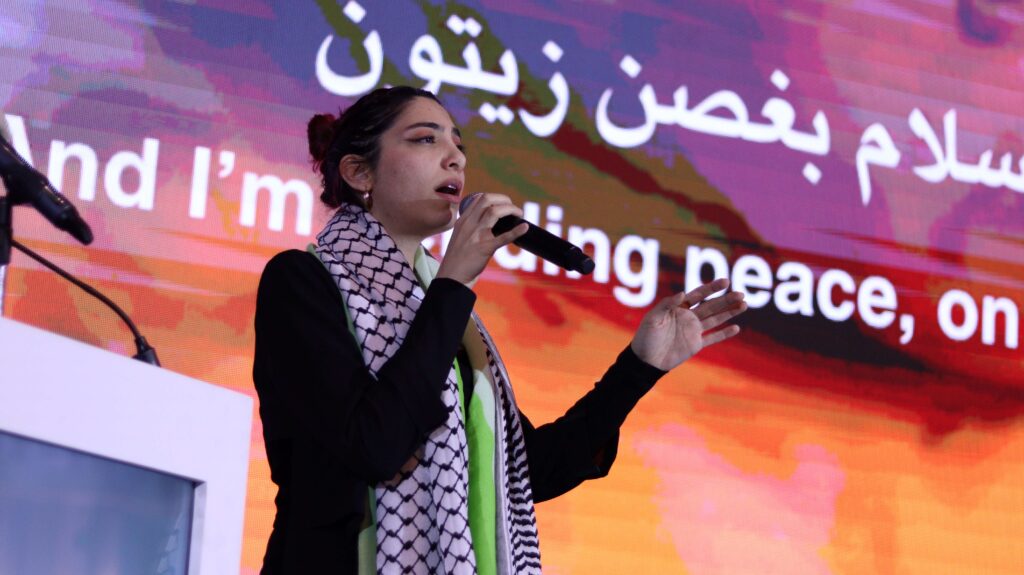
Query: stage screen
(854,167)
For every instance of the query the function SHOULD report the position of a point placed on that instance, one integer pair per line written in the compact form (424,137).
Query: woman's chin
(447,225)
(448,220)
(439,224)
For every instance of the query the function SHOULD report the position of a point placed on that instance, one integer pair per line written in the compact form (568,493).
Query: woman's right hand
(472,243)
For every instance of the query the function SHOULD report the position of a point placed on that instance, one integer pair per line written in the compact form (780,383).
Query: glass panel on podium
(66,511)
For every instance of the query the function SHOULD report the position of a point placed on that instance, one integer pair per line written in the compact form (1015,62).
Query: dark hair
(357,131)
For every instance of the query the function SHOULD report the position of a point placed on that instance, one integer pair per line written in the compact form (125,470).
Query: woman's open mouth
(450,190)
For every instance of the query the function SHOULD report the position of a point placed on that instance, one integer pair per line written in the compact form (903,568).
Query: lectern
(110,465)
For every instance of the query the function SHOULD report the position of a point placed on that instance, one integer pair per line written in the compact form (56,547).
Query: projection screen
(855,167)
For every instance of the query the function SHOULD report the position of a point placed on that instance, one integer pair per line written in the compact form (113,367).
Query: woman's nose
(456,158)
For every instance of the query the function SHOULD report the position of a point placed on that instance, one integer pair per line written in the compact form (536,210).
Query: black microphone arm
(25,185)
(144,352)
(540,242)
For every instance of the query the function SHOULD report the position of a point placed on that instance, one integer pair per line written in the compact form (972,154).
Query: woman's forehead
(423,111)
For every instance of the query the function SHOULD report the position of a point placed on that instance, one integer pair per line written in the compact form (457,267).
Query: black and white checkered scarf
(422,513)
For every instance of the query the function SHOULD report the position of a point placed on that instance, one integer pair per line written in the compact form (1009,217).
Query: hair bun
(320,132)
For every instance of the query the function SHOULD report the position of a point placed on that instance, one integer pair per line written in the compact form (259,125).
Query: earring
(368,199)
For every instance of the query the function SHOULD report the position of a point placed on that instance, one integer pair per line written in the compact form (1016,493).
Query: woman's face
(420,172)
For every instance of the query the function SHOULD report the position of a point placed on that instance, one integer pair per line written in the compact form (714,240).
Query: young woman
(390,427)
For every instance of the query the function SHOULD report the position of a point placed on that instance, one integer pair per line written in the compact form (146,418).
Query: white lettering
(696,259)
(802,288)
(279,192)
(990,306)
(145,165)
(200,183)
(876,293)
(826,284)
(958,298)
(751,273)
(60,153)
(646,278)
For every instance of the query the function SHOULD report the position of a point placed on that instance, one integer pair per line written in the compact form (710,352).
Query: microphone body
(26,185)
(541,242)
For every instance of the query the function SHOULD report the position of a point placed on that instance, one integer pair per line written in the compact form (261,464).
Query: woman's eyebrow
(433,126)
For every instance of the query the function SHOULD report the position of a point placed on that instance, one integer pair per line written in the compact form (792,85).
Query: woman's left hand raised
(681,325)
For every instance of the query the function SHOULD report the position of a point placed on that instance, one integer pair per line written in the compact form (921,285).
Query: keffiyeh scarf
(422,514)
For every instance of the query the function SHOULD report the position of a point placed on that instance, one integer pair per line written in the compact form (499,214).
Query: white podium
(81,419)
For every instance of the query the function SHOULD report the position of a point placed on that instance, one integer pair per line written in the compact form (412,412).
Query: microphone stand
(144,352)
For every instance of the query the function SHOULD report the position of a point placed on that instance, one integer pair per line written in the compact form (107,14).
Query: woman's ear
(356,173)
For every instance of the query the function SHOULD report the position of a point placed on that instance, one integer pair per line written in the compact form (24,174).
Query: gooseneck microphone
(25,185)
(540,242)
(144,351)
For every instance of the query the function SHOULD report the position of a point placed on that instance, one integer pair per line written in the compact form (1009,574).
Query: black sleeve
(582,444)
(312,380)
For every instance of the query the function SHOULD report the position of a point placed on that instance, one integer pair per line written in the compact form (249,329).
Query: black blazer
(331,429)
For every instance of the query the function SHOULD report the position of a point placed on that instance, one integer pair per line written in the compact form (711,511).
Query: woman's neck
(408,247)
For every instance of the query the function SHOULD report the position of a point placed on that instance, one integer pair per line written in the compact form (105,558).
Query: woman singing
(391,428)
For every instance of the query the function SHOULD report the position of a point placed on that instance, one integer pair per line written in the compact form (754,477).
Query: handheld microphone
(540,242)
(26,185)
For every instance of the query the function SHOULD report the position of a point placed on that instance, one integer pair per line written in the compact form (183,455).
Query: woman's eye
(426,139)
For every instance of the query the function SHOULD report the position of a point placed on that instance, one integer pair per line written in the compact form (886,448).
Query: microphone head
(466,201)
(79,230)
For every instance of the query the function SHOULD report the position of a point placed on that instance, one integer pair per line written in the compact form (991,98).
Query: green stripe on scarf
(480,436)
